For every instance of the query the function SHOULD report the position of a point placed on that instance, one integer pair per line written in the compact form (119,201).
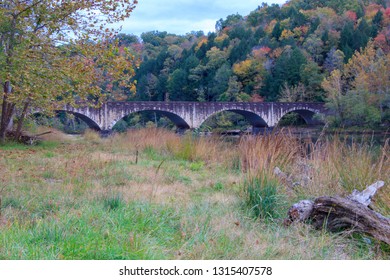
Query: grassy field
(151,194)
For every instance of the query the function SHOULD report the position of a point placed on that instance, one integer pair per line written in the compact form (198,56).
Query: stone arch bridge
(191,115)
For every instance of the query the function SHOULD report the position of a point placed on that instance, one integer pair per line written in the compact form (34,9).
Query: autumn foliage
(58,52)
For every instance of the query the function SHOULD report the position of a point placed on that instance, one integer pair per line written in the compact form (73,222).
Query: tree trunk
(21,120)
(6,112)
(338,213)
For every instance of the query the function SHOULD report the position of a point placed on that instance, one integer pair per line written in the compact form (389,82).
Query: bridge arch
(254,119)
(175,118)
(90,122)
(87,120)
(306,114)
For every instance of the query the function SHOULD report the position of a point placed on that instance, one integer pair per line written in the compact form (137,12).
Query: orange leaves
(371,10)
(351,15)
(381,41)
(261,52)
(200,43)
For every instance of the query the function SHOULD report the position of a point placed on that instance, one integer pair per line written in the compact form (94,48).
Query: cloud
(184,16)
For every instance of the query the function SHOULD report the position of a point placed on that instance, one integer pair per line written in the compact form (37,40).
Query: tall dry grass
(329,167)
(186,147)
(261,154)
(208,149)
(140,139)
(337,168)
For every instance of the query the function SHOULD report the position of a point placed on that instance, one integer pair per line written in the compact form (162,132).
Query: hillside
(273,47)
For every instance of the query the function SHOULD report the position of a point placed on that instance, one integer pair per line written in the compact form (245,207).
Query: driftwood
(338,213)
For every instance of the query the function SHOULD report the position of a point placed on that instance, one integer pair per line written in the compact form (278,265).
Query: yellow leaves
(286,34)
(221,38)
(200,43)
(242,69)
(366,72)
(369,70)
(277,52)
(333,85)
(270,27)
(249,71)
(216,57)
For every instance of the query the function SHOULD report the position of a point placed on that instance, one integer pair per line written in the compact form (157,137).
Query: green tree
(177,83)
(287,69)
(229,21)
(234,91)
(44,65)
(312,78)
(221,81)
(277,31)
(347,40)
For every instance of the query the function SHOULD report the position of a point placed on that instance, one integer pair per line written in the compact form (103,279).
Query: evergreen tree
(287,69)
(347,40)
(277,31)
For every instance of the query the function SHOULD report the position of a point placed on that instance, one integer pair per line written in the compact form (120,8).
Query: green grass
(78,200)
(134,231)
(262,197)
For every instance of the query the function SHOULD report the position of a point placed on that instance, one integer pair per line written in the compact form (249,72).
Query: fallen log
(25,138)
(338,213)
(43,133)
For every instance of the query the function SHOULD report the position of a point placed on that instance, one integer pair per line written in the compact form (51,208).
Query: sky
(183,16)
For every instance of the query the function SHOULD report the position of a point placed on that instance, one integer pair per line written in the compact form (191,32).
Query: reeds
(261,154)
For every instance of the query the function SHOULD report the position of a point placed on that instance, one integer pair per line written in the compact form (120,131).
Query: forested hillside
(334,51)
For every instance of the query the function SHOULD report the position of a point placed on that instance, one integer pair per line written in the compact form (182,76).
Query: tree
(250,73)
(292,93)
(312,78)
(347,40)
(177,81)
(277,31)
(334,86)
(234,91)
(58,52)
(368,74)
(230,20)
(334,60)
(314,46)
(359,94)
(287,69)
(221,80)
